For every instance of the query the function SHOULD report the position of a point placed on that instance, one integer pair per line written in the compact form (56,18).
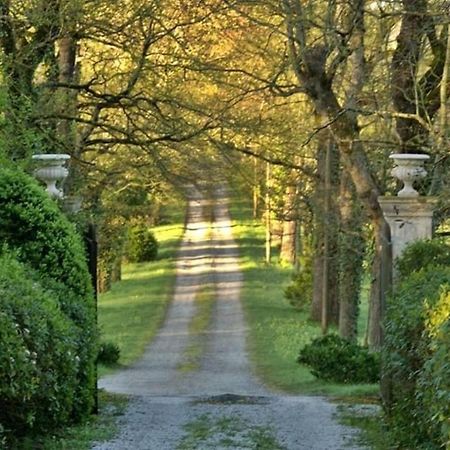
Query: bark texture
(416,97)
(289,227)
(325,261)
(351,255)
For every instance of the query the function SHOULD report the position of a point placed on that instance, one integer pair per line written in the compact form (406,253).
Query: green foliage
(434,381)
(142,244)
(335,359)
(34,228)
(108,353)
(32,224)
(39,362)
(300,291)
(112,236)
(415,338)
(420,254)
(116,207)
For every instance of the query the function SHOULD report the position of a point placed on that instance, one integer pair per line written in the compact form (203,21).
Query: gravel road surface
(221,405)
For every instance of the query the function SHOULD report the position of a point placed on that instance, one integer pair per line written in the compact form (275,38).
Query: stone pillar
(410,216)
(410,219)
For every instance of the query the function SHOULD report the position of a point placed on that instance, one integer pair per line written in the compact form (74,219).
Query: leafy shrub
(415,313)
(434,381)
(108,353)
(111,239)
(32,225)
(142,245)
(335,359)
(38,360)
(421,254)
(300,291)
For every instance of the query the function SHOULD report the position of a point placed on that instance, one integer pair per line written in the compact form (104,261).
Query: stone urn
(52,172)
(408,167)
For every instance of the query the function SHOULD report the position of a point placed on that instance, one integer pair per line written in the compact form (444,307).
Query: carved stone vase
(408,167)
(52,172)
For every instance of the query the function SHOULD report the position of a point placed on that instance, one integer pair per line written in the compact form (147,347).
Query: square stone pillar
(410,219)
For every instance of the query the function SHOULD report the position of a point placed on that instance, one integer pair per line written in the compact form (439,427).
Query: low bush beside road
(332,358)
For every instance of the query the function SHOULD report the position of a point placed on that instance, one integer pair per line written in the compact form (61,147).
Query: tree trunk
(289,227)
(256,188)
(381,283)
(314,75)
(351,255)
(325,288)
(346,133)
(67,100)
(67,108)
(268,212)
(413,94)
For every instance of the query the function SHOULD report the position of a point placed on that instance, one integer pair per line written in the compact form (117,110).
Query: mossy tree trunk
(351,256)
(325,305)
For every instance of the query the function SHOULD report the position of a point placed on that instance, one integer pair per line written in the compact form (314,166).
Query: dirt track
(222,395)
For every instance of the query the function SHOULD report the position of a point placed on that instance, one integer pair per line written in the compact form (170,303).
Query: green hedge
(38,359)
(417,315)
(332,358)
(142,244)
(428,252)
(33,227)
(434,381)
(32,224)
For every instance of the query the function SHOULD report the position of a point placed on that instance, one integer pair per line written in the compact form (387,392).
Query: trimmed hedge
(142,245)
(332,358)
(416,328)
(32,226)
(38,359)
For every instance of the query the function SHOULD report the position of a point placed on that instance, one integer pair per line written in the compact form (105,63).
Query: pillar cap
(407,206)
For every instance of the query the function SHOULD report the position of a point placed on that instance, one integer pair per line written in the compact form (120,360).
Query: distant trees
(374,90)
(150,93)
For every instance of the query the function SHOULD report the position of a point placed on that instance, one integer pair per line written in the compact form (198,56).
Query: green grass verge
(131,312)
(98,428)
(277,331)
(374,433)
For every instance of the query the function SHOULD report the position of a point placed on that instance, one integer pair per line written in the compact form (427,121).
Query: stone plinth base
(410,219)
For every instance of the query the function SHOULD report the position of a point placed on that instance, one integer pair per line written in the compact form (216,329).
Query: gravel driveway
(221,405)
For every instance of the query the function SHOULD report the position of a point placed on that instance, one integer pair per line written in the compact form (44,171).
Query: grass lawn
(131,312)
(277,331)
